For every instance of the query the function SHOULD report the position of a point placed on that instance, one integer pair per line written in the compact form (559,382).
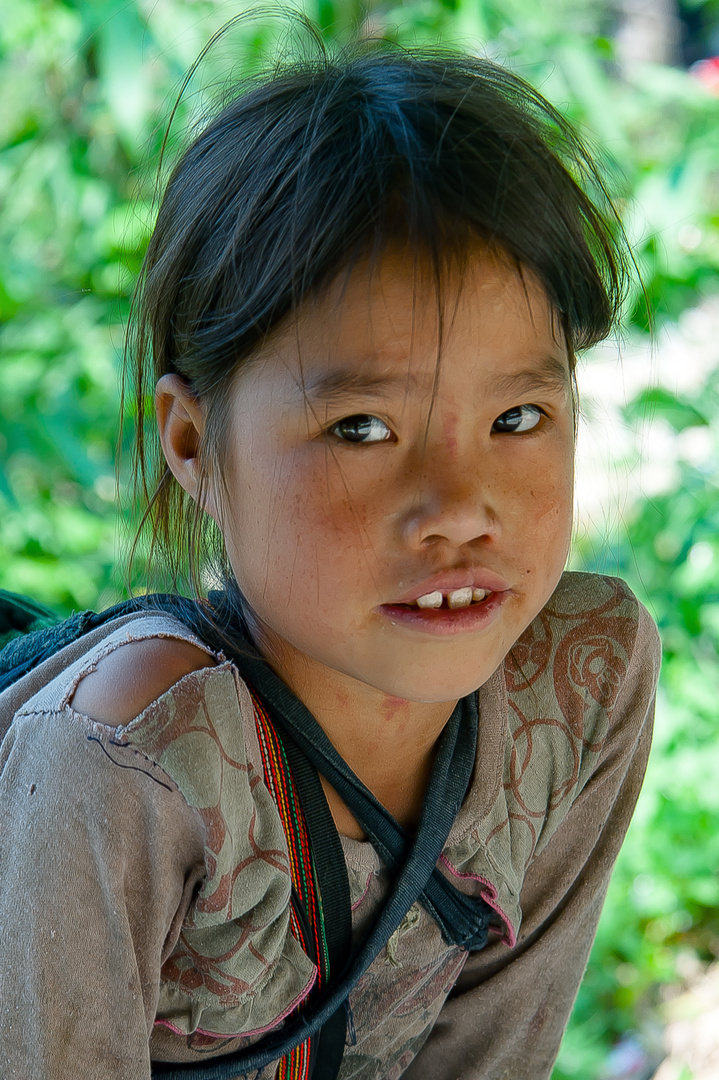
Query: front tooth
(460,597)
(430,600)
(479,594)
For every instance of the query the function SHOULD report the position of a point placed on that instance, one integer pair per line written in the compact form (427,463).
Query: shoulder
(586,599)
(600,621)
(62,769)
(590,659)
(150,684)
(75,705)
(108,671)
(591,622)
(125,681)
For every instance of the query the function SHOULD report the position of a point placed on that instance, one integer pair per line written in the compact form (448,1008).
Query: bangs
(300,175)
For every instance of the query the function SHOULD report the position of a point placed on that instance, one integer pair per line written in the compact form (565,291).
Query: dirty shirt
(144,874)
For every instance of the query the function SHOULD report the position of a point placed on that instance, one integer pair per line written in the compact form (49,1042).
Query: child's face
(388,478)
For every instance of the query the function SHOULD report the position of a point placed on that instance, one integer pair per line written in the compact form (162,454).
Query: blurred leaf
(656,401)
(123,71)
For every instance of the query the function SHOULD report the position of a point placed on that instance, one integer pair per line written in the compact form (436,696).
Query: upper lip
(449,580)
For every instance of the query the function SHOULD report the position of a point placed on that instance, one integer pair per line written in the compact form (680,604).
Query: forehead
(391,321)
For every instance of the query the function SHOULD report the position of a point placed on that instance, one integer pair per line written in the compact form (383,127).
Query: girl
(360,310)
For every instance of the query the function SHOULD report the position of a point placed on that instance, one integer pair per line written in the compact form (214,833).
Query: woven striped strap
(306,915)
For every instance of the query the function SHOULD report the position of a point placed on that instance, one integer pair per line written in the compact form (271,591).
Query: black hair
(310,167)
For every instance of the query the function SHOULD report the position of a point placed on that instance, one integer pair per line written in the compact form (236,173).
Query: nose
(453,503)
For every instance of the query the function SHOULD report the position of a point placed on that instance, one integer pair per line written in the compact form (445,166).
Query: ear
(181,423)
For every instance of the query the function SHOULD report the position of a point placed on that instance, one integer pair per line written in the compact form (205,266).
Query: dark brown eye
(361,428)
(518,420)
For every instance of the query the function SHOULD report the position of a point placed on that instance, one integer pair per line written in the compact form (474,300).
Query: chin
(424,690)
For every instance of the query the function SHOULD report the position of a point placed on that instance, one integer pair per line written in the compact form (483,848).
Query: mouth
(451,600)
(449,611)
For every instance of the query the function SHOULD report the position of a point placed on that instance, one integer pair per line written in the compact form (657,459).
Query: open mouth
(451,611)
(452,600)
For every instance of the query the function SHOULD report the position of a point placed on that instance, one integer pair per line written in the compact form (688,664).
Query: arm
(506,1014)
(99,860)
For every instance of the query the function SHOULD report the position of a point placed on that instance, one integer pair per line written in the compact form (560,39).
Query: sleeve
(99,859)
(505,1016)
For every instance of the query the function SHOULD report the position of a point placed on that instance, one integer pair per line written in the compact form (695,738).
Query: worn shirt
(144,877)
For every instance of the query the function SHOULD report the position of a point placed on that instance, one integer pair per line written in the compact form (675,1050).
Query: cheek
(542,498)
(299,529)
(552,501)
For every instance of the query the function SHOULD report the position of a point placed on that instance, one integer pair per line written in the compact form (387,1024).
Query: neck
(387,741)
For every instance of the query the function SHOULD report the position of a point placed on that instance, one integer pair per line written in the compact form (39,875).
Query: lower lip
(446,621)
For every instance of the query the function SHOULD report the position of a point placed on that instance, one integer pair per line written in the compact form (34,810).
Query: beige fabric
(237,959)
(144,881)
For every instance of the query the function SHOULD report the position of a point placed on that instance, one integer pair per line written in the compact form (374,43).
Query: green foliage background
(86,86)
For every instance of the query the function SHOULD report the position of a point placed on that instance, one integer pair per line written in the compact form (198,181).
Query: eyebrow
(332,385)
(550,374)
